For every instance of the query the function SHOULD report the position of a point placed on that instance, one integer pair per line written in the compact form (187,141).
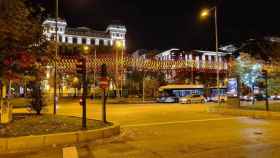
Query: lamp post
(55,62)
(119,45)
(206,13)
(84,74)
(94,72)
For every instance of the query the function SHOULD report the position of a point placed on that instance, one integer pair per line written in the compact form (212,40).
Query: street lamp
(206,13)
(119,45)
(55,62)
(86,49)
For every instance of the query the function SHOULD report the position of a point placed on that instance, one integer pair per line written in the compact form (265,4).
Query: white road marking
(179,122)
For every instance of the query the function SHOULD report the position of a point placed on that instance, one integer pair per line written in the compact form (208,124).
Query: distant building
(199,58)
(273,39)
(84,35)
(198,55)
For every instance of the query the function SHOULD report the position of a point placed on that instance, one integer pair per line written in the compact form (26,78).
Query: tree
(24,50)
(151,86)
(248,69)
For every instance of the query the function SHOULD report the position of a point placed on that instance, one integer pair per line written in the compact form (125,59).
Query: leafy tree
(24,50)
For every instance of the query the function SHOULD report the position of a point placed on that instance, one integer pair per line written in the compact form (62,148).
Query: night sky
(164,24)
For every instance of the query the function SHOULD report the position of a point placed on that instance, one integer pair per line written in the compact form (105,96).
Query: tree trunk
(253,89)
(238,89)
(1,93)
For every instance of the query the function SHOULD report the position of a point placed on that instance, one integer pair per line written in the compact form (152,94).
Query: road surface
(174,130)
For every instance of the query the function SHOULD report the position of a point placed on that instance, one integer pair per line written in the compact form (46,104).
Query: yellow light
(76,80)
(205,13)
(48,75)
(47,87)
(86,48)
(119,44)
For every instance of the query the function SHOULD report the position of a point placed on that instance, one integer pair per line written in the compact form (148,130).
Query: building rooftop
(84,31)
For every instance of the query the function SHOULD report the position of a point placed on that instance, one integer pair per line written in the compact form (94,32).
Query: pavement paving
(177,131)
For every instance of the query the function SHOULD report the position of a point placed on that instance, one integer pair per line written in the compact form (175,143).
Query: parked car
(167,99)
(257,97)
(192,99)
(223,98)
(260,97)
(275,97)
(246,98)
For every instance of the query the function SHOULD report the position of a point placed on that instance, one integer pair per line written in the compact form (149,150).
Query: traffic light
(103,70)
(81,65)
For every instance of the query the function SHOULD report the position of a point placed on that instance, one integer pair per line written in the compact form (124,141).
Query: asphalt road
(174,130)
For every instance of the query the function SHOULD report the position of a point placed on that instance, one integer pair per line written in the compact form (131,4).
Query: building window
(52,37)
(66,39)
(101,42)
(92,41)
(60,38)
(212,58)
(84,41)
(75,40)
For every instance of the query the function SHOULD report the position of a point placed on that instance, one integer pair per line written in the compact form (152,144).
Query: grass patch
(30,124)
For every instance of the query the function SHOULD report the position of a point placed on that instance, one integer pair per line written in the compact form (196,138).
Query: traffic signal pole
(104,79)
(104,106)
(82,69)
(84,122)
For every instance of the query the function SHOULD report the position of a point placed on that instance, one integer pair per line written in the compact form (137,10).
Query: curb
(248,113)
(15,144)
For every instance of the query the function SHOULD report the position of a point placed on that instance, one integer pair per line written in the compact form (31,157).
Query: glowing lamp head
(76,80)
(86,48)
(119,44)
(205,13)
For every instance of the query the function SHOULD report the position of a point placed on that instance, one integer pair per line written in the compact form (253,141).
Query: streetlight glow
(86,48)
(119,44)
(205,13)
(76,80)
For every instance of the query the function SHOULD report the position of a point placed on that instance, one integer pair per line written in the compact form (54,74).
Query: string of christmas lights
(68,64)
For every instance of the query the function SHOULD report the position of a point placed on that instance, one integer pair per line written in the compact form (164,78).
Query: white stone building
(84,35)
(200,59)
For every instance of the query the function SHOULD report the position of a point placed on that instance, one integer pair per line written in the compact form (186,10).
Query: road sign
(103,83)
